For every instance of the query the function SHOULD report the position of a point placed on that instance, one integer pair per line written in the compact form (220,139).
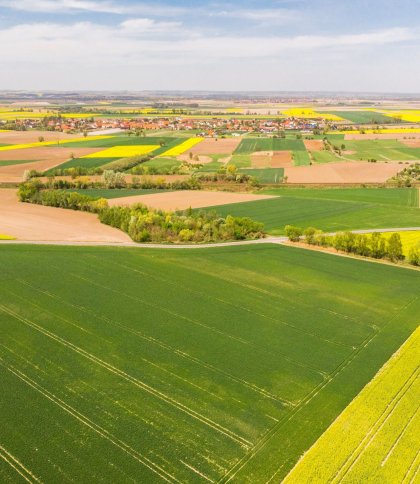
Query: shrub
(293,233)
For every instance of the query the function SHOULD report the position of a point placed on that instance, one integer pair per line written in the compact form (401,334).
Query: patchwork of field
(332,209)
(182,147)
(186,365)
(123,151)
(376,437)
(38,223)
(183,199)
(308,113)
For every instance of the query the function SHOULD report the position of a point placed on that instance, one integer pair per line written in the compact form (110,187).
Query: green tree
(394,248)
(293,233)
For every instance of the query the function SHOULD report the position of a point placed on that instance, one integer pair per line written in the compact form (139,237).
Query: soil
(281,159)
(211,146)
(20,137)
(27,221)
(183,199)
(313,144)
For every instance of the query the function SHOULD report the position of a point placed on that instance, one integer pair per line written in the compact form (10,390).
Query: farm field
(381,150)
(69,353)
(115,192)
(184,199)
(364,117)
(332,209)
(376,435)
(38,223)
(165,393)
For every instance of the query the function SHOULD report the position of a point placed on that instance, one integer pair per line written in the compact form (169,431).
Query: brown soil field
(26,221)
(281,159)
(411,143)
(43,158)
(19,137)
(261,159)
(183,199)
(211,146)
(345,172)
(313,144)
(398,136)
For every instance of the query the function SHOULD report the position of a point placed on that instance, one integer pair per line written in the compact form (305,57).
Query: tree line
(368,245)
(144,224)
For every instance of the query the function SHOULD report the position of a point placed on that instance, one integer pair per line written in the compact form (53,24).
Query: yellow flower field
(183,147)
(409,239)
(310,113)
(50,143)
(6,237)
(376,435)
(409,115)
(123,151)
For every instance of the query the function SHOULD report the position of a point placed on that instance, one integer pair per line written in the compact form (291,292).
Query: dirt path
(36,223)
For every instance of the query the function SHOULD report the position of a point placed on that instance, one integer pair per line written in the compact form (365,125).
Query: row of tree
(368,245)
(144,224)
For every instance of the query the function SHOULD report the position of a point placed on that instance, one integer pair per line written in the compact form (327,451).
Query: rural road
(267,240)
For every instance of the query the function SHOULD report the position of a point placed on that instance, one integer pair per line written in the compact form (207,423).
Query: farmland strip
(17,465)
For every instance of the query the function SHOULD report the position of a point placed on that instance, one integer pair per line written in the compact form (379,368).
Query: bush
(293,233)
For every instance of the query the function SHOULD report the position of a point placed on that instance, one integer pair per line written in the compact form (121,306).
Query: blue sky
(322,45)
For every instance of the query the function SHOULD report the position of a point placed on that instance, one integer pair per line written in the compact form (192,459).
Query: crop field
(220,365)
(251,145)
(409,239)
(265,175)
(110,193)
(331,209)
(6,237)
(13,162)
(82,142)
(375,437)
(182,147)
(381,150)
(122,151)
(364,117)
(308,113)
(408,115)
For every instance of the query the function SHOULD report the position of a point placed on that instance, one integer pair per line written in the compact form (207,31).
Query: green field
(265,175)
(250,145)
(15,162)
(331,209)
(162,163)
(381,150)
(364,117)
(186,365)
(375,437)
(115,192)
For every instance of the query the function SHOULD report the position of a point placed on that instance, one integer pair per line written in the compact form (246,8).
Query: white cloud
(93,6)
(147,25)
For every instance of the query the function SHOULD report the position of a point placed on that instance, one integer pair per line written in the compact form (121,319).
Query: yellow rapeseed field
(49,143)
(375,438)
(123,151)
(310,114)
(183,147)
(409,239)
(10,115)
(409,115)
(6,237)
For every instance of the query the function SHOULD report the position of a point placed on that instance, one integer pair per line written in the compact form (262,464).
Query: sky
(264,45)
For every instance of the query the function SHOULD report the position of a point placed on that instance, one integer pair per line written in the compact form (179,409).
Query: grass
(325,156)
(241,161)
(364,117)
(81,162)
(162,163)
(250,145)
(381,150)
(265,175)
(375,437)
(115,192)
(15,162)
(331,210)
(224,363)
